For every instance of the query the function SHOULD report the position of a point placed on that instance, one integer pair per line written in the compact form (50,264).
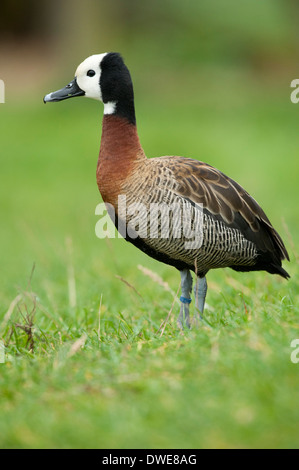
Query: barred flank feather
(236,232)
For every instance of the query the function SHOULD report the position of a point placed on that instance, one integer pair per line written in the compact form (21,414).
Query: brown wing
(224,198)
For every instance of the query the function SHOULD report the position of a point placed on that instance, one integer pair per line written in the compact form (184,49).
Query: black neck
(116,86)
(125,108)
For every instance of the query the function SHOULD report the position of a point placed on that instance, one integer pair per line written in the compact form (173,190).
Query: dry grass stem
(77,345)
(157,279)
(169,313)
(129,285)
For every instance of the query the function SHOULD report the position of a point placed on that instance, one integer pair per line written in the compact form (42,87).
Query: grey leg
(200,291)
(186,289)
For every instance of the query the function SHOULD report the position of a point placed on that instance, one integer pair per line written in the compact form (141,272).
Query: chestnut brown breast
(120,154)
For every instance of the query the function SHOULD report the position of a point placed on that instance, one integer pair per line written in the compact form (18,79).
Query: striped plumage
(235,231)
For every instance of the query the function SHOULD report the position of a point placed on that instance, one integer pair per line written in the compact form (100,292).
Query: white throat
(110,107)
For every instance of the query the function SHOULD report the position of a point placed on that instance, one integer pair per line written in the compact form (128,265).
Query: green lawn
(88,363)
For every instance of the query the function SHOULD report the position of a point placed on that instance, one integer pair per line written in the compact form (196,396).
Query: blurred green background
(212,82)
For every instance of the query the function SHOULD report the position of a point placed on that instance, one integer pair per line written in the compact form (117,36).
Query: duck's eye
(90,73)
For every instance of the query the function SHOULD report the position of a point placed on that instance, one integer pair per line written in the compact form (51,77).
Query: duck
(180,211)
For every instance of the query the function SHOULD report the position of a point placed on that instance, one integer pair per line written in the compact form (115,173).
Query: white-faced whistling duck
(197,218)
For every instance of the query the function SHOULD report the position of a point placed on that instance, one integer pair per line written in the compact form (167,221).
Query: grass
(88,360)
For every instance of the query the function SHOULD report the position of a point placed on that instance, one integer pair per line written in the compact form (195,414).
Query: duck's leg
(186,289)
(200,292)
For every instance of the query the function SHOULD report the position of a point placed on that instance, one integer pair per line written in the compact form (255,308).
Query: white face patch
(90,84)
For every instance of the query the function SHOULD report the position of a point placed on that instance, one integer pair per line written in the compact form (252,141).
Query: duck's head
(103,77)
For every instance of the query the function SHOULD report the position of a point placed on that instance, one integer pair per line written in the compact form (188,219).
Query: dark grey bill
(69,91)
